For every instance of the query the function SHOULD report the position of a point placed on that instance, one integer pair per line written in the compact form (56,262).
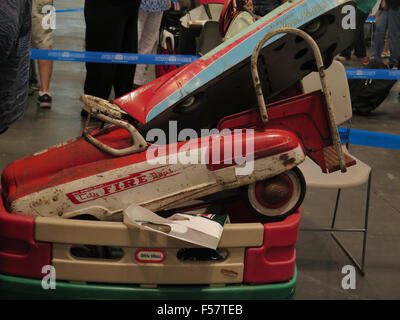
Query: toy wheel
(277,197)
(230,10)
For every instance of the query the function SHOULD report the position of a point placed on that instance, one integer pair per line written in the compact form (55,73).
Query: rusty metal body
(107,170)
(321,70)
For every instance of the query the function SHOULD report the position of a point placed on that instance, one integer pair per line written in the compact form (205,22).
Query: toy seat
(209,37)
(192,25)
(239,23)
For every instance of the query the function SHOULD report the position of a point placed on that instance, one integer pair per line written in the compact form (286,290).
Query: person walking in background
(379,39)
(363,9)
(149,21)
(111,26)
(15,44)
(42,38)
(380,46)
(393,7)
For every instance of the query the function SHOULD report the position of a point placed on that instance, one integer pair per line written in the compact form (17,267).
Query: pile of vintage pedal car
(63,206)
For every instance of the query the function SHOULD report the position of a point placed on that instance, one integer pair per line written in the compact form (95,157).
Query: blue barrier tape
(387,74)
(359,137)
(111,57)
(69,10)
(165,59)
(370,139)
(371,19)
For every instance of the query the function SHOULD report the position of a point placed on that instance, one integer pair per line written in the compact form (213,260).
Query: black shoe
(44,100)
(84,113)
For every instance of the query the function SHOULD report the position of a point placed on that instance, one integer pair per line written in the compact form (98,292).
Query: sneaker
(366,61)
(44,100)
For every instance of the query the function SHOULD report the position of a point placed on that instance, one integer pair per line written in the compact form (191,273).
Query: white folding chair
(356,175)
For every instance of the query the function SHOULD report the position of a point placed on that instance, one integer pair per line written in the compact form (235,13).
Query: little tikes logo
(132,181)
(150,255)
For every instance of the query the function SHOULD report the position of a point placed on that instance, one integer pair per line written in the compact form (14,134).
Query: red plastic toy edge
(275,260)
(20,254)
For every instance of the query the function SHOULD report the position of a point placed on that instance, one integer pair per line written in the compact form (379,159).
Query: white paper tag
(204,229)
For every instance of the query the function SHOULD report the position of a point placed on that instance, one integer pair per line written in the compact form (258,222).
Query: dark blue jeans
(394,36)
(380,34)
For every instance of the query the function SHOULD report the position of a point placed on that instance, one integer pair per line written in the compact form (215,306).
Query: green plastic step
(23,288)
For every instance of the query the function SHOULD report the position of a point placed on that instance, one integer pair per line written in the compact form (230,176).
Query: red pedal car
(252,156)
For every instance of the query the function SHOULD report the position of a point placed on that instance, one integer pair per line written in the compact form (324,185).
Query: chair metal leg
(366,219)
(360,267)
(336,208)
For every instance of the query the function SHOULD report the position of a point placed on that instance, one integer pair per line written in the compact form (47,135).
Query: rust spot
(36,203)
(289,161)
(284,157)
(275,191)
(286,160)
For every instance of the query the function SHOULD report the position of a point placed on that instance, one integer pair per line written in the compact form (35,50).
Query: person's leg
(386,49)
(45,72)
(148,38)
(140,68)
(123,78)
(394,37)
(104,33)
(380,35)
(42,38)
(346,54)
(360,50)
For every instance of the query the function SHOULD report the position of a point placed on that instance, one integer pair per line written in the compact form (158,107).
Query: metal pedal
(332,159)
